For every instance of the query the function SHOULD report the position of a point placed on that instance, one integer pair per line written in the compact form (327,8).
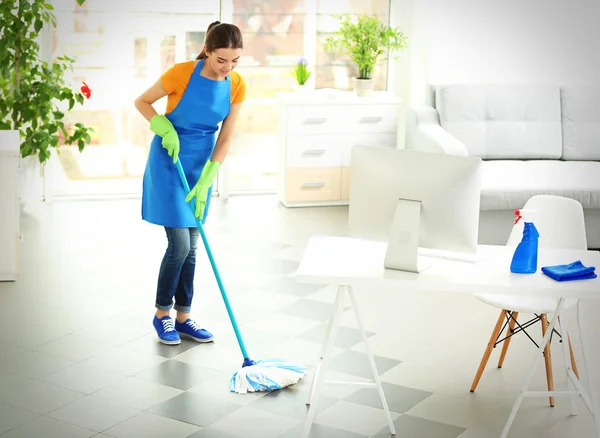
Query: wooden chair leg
(548,359)
(488,350)
(573,364)
(509,330)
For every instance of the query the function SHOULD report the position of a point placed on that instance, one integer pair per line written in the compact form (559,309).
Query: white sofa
(534,139)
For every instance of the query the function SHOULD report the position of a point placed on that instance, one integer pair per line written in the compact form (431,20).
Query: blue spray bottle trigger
(525,258)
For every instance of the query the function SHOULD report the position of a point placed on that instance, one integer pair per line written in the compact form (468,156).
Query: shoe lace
(193,324)
(168,325)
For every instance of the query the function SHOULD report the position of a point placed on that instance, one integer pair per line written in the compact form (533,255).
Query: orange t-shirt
(176,78)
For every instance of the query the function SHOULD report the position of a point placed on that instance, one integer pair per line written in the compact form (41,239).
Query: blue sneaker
(166,330)
(193,330)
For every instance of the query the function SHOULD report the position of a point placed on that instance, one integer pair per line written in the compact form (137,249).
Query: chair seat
(524,304)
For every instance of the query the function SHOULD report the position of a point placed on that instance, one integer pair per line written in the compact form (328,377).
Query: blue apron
(204,104)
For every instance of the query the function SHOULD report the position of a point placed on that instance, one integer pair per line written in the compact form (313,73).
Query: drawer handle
(370,119)
(313,185)
(314,152)
(315,120)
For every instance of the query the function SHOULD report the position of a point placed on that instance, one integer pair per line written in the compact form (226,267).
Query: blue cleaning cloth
(570,272)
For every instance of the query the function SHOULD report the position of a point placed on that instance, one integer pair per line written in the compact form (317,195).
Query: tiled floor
(79,358)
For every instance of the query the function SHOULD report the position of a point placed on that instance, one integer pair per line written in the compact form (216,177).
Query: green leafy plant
(34,94)
(365,40)
(301,72)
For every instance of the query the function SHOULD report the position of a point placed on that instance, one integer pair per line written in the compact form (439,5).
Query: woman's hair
(222,36)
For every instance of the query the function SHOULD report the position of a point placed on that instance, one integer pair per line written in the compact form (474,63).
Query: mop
(254,376)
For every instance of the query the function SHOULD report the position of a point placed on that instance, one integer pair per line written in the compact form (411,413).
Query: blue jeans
(176,275)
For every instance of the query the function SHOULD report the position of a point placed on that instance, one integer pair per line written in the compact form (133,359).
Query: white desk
(350,263)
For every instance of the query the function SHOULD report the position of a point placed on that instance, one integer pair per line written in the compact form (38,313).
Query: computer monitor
(415,201)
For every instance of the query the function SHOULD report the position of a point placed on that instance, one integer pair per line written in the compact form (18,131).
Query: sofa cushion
(581,123)
(503,121)
(509,184)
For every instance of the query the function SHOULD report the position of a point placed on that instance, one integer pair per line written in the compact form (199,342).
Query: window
(122,47)
(276,34)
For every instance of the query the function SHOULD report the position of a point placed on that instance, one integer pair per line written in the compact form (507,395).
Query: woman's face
(222,61)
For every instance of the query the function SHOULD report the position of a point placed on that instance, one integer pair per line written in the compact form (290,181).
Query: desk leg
(376,377)
(321,368)
(564,330)
(590,372)
(534,365)
(330,336)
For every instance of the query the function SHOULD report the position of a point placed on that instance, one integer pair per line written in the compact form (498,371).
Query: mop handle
(213,264)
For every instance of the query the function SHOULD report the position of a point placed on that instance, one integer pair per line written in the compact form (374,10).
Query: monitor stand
(403,245)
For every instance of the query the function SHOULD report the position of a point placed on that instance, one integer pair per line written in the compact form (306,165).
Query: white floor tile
(284,324)
(39,397)
(253,422)
(93,413)
(124,361)
(458,411)
(151,426)
(137,393)
(33,364)
(11,417)
(74,348)
(49,428)
(354,418)
(432,377)
(83,378)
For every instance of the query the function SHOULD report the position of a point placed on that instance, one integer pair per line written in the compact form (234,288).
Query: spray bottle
(525,258)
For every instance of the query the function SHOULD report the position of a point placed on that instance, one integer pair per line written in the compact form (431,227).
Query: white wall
(503,41)
(399,68)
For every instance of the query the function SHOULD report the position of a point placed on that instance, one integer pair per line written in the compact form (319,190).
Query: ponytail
(202,55)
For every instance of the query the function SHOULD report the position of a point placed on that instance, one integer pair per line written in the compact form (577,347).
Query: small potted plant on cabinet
(365,40)
(301,73)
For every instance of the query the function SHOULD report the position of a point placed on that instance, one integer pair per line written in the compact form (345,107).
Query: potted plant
(301,73)
(34,94)
(365,40)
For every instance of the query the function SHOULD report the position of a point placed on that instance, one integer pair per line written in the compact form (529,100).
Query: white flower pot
(363,87)
(31,180)
(10,237)
(302,88)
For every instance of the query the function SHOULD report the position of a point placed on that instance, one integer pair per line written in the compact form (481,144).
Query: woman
(201,94)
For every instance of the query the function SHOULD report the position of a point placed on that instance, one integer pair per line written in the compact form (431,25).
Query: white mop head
(266,375)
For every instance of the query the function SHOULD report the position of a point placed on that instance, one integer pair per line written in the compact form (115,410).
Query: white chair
(561,225)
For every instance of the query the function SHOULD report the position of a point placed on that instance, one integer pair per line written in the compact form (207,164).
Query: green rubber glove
(200,190)
(162,126)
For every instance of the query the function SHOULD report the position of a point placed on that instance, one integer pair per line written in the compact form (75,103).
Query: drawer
(319,119)
(305,185)
(323,119)
(371,118)
(345,183)
(375,140)
(314,151)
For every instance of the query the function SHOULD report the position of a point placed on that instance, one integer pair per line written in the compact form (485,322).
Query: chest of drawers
(316,133)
